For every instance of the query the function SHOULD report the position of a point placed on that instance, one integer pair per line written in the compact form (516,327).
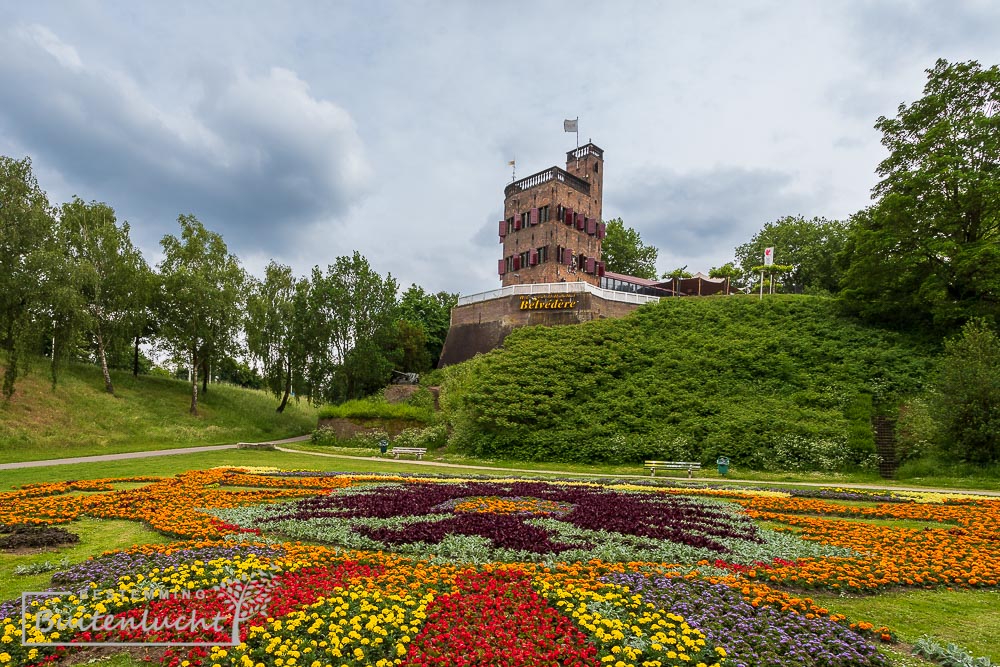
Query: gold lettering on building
(547,302)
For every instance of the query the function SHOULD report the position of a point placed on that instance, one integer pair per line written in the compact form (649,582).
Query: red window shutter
(579,220)
(501,266)
(602,230)
(533,258)
(600,269)
(568,256)
(591,226)
(503,228)
(569,216)
(516,264)
(534,216)
(517,223)
(591,265)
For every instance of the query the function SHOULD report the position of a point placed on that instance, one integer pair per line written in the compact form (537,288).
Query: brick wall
(582,192)
(480,327)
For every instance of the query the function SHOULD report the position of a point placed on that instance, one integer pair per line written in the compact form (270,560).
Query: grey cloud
(253,153)
(890,34)
(704,213)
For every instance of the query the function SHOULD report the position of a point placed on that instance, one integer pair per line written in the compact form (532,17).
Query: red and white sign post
(768,261)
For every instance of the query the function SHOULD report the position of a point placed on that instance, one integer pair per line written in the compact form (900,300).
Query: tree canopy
(202,285)
(928,250)
(623,251)
(811,247)
(269,330)
(27,239)
(432,314)
(111,274)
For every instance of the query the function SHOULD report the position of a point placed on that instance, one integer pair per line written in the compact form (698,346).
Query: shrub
(368,439)
(966,398)
(915,430)
(422,399)
(949,656)
(860,437)
(726,376)
(378,408)
(431,437)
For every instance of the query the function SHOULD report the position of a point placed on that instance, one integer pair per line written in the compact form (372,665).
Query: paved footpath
(302,438)
(875,487)
(137,455)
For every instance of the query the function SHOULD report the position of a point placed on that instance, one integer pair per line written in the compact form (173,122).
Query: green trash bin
(723,464)
(383,446)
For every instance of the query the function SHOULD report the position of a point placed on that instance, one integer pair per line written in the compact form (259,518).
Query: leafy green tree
(966,400)
(408,348)
(812,247)
(929,249)
(201,295)
(270,327)
(772,276)
(680,273)
(26,253)
(353,313)
(735,276)
(432,314)
(111,275)
(623,251)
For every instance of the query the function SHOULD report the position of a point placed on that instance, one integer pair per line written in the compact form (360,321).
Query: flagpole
(577,131)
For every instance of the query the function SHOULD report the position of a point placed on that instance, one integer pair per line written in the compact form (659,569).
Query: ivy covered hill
(782,383)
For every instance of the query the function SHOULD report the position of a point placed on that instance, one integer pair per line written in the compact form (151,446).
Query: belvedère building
(551,270)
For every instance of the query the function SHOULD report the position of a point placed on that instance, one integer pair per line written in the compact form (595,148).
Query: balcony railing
(584,151)
(552,173)
(557,288)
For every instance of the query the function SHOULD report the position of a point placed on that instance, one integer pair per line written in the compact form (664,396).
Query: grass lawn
(96,537)
(78,418)
(970,619)
(177,463)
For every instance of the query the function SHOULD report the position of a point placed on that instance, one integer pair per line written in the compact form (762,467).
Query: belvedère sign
(547,302)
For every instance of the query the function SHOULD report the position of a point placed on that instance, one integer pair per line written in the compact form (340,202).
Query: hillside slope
(78,418)
(780,383)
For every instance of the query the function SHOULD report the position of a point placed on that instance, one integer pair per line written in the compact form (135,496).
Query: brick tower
(552,229)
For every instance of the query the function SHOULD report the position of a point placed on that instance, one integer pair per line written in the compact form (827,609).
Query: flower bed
(448,571)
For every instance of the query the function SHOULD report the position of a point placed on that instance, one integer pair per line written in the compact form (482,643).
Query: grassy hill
(78,418)
(781,383)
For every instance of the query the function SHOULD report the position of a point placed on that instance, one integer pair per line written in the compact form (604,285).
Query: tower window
(595,167)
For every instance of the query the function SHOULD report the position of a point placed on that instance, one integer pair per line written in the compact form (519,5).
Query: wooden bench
(690,466)
(416,451)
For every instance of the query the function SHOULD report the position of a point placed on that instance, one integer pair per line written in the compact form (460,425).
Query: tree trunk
(194,381)
(10,373)
(135,359)
(288,389)
(108,387)
(204,376)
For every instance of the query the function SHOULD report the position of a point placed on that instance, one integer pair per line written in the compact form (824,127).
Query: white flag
(570,125)
(768,256)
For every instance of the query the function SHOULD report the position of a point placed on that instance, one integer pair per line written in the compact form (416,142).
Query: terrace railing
(558,288)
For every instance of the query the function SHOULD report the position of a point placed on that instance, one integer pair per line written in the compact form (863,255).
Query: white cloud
(306,131)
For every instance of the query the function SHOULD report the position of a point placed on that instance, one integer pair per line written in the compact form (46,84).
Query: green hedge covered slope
(783,383)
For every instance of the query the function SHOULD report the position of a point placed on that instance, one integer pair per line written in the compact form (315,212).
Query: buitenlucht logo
(151,617)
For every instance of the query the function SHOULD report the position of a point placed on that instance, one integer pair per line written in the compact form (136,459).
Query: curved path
(875,487)
(138,455)
(302,438)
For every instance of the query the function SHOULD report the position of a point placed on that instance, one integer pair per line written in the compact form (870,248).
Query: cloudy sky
(303,131)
